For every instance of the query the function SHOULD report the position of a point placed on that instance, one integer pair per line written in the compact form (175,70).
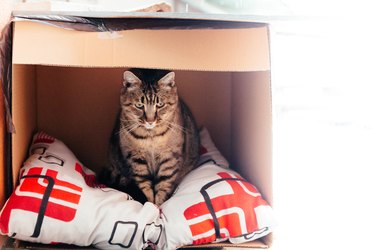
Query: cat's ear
(167,81)
(131,81)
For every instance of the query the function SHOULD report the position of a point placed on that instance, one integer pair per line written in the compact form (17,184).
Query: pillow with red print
(59,201)
(214,204)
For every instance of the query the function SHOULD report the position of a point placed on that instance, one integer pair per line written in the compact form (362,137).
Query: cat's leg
(164,190)
(146,186)
(167,179)
(143,178)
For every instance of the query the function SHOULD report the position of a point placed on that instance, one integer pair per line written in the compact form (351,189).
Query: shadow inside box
(11,244)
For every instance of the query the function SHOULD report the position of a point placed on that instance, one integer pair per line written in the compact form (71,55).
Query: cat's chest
(152,150)
(152,146)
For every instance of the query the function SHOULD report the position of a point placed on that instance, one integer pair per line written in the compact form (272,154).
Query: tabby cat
(155,141)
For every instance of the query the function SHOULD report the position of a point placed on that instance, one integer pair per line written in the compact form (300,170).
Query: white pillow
(209,152)
(214,204)
(59,201)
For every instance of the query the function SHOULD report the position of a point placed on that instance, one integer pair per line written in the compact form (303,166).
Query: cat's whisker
(123,128)
(129,120)
(176,126)
(165,143)
(128,129)
(134,128)
(173,129)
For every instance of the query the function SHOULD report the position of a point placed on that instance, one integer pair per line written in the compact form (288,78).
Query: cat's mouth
(148,125)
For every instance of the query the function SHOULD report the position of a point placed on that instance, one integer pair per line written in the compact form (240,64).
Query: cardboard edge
(3,238)
(9,243)
(256,244)
(268,239)
(2,150)
(250,19)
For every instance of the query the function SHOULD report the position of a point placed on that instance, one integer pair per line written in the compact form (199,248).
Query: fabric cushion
(214,204)
(209,152)
(58,200)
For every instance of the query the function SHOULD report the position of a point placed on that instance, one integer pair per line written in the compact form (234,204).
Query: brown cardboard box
(2,149)
(66,82)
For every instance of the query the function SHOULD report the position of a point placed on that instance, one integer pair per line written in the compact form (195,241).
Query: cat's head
(149,97)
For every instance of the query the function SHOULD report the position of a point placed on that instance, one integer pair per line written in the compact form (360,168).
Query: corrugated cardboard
(66,82)
(208,49)
(2,149)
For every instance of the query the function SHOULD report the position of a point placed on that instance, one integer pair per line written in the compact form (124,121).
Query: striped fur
(155,142)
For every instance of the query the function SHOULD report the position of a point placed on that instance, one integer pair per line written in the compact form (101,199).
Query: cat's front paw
(159,201)
(149,193)
(161,197)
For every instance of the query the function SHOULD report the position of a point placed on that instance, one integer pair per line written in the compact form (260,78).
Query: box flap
(117,21)
(238,20)
(223,49)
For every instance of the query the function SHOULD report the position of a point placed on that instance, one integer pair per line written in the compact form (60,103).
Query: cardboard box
(66,82)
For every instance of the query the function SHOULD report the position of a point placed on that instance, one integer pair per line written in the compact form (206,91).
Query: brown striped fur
(155,142)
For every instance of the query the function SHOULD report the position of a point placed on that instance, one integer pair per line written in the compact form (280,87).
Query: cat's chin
(149,126)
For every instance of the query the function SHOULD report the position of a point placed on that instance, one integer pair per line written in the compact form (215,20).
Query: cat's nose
(150,117)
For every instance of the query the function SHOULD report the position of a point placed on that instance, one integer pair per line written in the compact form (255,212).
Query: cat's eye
(139,105)
(160,104)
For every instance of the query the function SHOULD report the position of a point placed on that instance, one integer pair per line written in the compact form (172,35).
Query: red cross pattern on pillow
(228,215)
(42,137)
(43,193)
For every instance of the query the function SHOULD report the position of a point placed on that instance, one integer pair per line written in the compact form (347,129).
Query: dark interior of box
(79,106)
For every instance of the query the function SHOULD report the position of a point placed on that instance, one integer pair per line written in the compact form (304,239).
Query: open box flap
(219,50)
(116,21)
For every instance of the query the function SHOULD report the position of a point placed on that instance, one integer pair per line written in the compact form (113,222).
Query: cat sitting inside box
(155,140)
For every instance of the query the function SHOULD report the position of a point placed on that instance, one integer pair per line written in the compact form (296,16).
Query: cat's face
(148,103)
